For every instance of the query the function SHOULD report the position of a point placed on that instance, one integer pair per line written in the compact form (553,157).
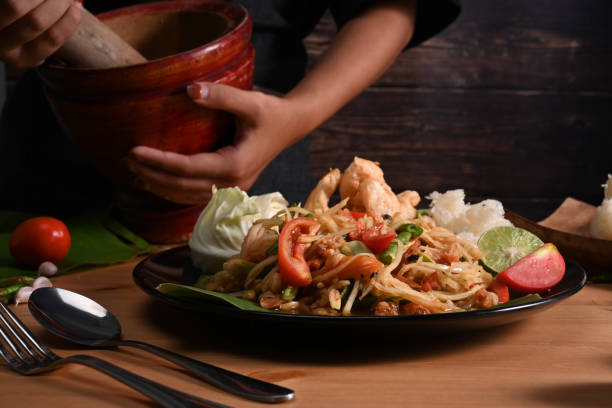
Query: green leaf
(191,293)
(96,240)
(93,243)
(518,301)
(122,232)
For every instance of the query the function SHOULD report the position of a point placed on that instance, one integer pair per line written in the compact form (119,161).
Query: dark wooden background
(513,101)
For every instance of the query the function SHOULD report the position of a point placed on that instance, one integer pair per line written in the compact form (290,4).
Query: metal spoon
(79,319)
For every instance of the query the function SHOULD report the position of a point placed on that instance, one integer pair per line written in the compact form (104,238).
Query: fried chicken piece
(318,200)
(359,170)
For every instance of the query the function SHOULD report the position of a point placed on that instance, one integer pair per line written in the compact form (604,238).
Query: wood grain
(521,45)
(560,357)
(512,101)
(437,140)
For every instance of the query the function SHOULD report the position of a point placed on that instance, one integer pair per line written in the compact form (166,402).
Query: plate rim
(224,309)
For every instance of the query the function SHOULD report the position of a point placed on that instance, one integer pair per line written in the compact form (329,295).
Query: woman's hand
(361,52)
(32,30)
(265,125)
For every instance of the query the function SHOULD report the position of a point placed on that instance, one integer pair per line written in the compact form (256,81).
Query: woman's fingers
(227,98)
(216,166)
(13,10)
(32,38)
(171,187)
(178,178)
(47,43)
(185,178)
(34,23)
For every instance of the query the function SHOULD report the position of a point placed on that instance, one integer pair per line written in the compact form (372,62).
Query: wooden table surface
(559,357)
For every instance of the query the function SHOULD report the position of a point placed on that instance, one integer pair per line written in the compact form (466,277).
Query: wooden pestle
(95,45)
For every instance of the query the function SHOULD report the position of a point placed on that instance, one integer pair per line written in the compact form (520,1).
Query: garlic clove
(23,294)
(42,282)
(47,269)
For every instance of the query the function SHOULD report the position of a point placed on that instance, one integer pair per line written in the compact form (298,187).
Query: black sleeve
(100,6)
(432,17)
(343,10)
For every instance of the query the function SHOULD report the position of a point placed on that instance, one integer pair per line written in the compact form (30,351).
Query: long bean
(413,229)
(389,254)
(15,280)
(404,236)
(7,293)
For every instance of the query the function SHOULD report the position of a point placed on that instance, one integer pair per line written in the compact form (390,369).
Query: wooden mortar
(109,111)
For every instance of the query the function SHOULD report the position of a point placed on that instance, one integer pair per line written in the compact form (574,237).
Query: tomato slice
(377,241)
(356,234)
(360,267)
(293,267)
(356,215)
(538,271)
(500,289)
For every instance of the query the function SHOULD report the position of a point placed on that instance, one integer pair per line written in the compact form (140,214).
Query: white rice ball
(469,221)
(448,206)
(601,225)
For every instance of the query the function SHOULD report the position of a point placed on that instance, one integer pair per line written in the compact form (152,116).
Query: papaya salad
(371,253)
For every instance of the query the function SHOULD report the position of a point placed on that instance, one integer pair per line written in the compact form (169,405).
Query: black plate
(174,266)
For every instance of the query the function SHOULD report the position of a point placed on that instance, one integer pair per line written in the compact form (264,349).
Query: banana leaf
(97,239)
(191,293)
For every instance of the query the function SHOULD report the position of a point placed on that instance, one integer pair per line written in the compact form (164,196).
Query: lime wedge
(503,246)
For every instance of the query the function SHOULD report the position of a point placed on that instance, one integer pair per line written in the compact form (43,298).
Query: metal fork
(27,355)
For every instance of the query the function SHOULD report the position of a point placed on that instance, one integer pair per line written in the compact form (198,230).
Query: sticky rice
(468,221)
(601,224)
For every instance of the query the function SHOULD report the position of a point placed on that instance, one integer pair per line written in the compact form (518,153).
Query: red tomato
(538,271)
(40,239)
(360,266)
(377,241)
(501,290)
(293,267)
